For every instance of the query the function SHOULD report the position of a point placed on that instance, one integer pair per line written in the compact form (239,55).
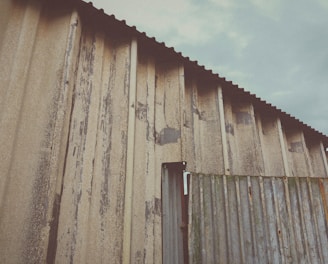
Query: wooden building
(99,127)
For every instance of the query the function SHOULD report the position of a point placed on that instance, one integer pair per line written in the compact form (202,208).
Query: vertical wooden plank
(167,132)
(268,130)
(152,207)
(189,126)
(307,158)
(283,148)
(182,89)
(297,154)
(315,156)
(95,242)
(13,90)
(144,205)
(244,147)
(93,193)
(111,150)
(223,132)
(85,112)
(34,108)
(324,158)
(79,166)
(209,155)
(130,153)
(233,154)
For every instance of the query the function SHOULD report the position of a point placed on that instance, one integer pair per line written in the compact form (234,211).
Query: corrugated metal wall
(250,219)
(89,111)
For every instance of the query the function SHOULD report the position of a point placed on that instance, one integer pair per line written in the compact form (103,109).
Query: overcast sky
(275,49)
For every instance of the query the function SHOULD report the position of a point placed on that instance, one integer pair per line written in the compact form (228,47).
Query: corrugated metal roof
(258,102)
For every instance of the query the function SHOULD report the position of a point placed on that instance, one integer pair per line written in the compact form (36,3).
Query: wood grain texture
(87,118)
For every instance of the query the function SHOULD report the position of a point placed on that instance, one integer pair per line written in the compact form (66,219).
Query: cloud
(179,22)
(323,3)
(268,8)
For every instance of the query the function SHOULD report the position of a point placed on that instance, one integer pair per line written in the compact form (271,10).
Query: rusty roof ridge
(204,69)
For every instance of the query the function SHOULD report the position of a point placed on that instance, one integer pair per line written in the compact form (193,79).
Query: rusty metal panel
(248,219)
(172,210)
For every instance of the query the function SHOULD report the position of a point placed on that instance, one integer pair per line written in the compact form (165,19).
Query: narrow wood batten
(283,146)
(144,204)
(130,152)
(223,132)
(190,136)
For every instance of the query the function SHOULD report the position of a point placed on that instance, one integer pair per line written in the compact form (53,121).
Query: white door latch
(185,182)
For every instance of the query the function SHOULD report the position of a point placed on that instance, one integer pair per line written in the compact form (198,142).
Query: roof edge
(211,75)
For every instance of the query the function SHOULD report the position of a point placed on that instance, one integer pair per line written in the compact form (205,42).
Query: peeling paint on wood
(296,147)
(71,133)
(168,135)
(243,118)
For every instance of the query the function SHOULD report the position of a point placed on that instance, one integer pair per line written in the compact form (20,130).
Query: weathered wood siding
(90,109)
(251,219)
